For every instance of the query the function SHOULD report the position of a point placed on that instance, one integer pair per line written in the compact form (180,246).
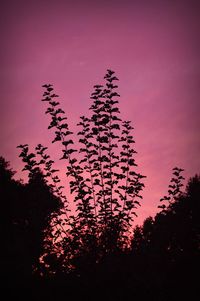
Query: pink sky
(152,45)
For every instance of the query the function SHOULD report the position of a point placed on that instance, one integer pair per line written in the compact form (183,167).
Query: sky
(153,46)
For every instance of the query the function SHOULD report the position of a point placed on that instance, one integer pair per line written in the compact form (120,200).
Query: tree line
(49,249)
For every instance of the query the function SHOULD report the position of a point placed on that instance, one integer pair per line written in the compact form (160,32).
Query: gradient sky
(152,45)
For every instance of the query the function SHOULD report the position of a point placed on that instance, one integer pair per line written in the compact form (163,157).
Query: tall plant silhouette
(103,180)
(102,177)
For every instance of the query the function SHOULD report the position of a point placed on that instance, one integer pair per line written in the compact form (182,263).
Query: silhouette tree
(103,178)
(25,215)
(167,247)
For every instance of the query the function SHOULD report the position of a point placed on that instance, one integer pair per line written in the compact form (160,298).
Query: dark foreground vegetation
(48,252)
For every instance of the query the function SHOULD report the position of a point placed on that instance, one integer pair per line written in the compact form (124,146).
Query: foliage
(102,175)
(96,247)
(26,211)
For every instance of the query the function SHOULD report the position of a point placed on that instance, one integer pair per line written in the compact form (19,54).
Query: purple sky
(152,45)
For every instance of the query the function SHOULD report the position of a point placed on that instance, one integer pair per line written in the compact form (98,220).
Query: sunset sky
(153,46)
